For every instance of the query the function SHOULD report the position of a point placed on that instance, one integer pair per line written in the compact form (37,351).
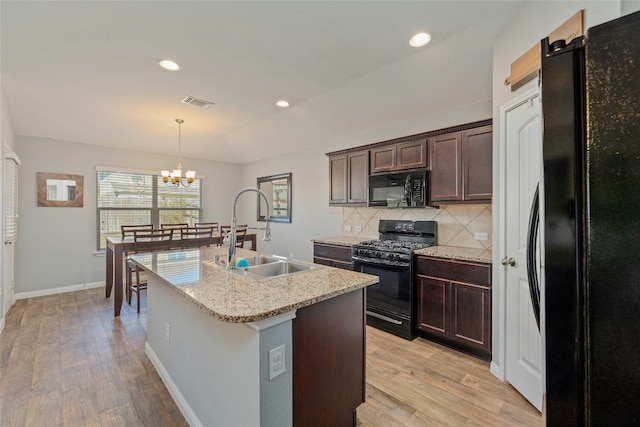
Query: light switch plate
(480,236)
(358,228)
(347,228)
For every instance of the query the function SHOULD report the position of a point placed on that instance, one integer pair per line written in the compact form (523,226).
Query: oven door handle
(385,263)
(385,318)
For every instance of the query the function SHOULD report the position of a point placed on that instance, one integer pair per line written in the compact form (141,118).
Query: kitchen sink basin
(278,268)
(263,267)
(263,259)
(267,270)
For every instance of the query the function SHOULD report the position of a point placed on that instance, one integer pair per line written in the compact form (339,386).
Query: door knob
(509,261)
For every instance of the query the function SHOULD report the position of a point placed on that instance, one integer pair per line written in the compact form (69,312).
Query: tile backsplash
(456,223)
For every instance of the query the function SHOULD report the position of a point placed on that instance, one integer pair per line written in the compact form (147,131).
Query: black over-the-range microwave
(399,189)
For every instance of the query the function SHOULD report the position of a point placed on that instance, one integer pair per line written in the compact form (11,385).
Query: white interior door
(10,228)
(523,168)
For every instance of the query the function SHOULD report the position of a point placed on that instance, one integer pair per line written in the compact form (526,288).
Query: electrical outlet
(347,228)
(276,362)
(358,228)
(480,236)
(167,332)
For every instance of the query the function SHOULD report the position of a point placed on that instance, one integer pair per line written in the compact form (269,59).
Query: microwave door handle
(407,190)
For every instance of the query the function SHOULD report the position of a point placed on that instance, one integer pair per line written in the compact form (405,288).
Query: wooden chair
(215,225)
(148,235)
(127,231)
(205,233)
(224,229)
(175,227)
(241,233)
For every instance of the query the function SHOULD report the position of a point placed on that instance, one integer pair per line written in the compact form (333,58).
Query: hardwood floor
(421,383)
(65,361)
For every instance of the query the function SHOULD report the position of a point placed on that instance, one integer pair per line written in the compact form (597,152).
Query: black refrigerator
(591,159)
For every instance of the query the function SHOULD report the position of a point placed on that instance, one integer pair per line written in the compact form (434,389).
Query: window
(131,198)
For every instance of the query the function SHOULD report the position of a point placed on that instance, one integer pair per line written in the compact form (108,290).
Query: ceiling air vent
(197,102)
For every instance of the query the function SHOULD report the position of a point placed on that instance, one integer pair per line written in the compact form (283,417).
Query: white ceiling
(87,71)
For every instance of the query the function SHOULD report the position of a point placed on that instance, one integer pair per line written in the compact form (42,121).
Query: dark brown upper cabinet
(404,155)
(348,176)
(461,166)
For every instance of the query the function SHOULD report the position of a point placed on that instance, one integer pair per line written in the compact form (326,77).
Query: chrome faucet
(231,257)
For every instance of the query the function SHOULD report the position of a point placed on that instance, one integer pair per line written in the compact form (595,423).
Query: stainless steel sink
(263,259)
(278,268)
(263,269)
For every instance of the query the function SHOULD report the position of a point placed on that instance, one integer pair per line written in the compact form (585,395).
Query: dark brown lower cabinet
(332,255)
(329,361)
(454,303)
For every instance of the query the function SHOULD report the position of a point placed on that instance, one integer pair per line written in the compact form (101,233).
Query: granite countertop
(232,298)
(457,253)
(341,240)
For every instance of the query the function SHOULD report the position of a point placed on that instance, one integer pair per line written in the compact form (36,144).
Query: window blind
(11,163)
(134,197)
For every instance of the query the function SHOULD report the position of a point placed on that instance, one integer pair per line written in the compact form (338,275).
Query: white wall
(6,123)
(533,21)
(629,6)
(57,246)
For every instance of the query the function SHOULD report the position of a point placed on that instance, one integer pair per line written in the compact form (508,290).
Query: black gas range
(390,304)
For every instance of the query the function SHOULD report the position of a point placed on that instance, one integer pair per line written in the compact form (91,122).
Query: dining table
(117,247)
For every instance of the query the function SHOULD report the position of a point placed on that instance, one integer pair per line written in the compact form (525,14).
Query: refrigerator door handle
(532,244)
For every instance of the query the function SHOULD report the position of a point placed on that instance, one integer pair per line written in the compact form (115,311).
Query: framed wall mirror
(60,190)
(277,188)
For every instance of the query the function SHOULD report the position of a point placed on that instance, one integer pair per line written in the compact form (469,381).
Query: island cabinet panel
(400,156)
(329,361)
(348,178)
(461,166)
(454,303)
(332,255)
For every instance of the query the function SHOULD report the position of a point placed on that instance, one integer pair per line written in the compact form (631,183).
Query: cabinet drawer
(459,271)
(342,253)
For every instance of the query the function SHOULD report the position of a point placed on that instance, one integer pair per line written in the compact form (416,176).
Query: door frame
(498,366)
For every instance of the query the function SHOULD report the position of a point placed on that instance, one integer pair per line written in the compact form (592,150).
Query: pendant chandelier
(175,176)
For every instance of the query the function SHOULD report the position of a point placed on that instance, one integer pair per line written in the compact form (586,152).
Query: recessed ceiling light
(167,64)
(282,103)
(419,40)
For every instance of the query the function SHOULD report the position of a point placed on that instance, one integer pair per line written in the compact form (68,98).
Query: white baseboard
(496,371)
(184,407)
(53,291)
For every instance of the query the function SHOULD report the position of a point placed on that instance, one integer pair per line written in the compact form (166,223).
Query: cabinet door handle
(509,261)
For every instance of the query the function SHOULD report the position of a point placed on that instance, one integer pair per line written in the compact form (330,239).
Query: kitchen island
(286,350)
